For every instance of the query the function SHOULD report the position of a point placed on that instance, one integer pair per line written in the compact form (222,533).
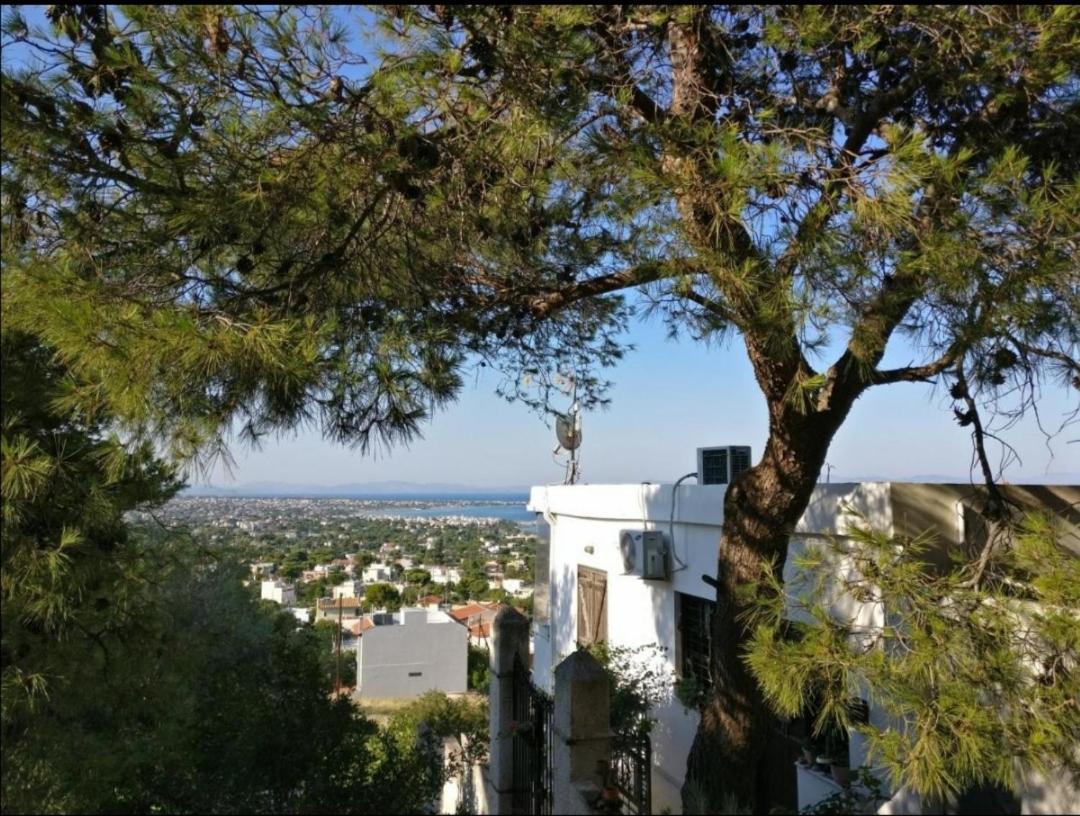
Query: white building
(407,653)
(302,614)
(515,586)
(445,575)
(278,592)
(376,573)
(262,568)
(349,589)
(586,591)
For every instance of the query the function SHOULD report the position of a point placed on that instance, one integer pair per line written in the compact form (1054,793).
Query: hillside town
(357,564)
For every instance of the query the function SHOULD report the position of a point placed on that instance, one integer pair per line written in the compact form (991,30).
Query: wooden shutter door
(592,605)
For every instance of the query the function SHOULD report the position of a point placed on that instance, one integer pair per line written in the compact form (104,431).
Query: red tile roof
(334,603)
(359,627)
(466,611)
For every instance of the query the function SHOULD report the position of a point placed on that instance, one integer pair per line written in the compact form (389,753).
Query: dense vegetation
(138,674)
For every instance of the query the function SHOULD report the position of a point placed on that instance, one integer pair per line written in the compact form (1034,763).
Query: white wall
(643,612)
(278,593)
(639,612)
(429,651)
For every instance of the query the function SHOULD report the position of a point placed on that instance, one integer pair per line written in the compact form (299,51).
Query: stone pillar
(582,733)
(509,639)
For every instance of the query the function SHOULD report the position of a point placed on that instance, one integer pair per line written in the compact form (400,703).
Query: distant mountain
(389,488)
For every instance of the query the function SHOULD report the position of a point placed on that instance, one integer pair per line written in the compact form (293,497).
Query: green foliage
(865,795)
(139,675)
(435,715)
(382,596)
(690,691)
(284,245)
(479,670)
(640,678)
(978,679)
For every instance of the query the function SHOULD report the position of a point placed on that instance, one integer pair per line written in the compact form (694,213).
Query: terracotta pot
(841,774)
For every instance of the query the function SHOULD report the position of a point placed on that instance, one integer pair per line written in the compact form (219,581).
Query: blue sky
(668,399)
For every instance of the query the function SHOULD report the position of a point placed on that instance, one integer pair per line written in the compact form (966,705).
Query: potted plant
(809,752)
(841,772)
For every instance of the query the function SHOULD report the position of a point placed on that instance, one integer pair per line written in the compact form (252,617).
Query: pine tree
(214,215)
(974,669)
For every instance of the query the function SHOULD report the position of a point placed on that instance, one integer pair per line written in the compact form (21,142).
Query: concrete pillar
(582,733)
(509,639)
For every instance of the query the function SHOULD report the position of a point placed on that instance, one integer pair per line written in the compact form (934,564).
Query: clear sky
(668,399)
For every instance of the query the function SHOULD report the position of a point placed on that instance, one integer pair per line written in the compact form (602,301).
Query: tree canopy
(224,214)
(271,241)
(139,675)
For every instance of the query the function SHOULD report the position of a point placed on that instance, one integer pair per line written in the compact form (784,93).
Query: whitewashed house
(279,592)
(407,653)
(445,575)
(591,585)
(348,589)
(376,573)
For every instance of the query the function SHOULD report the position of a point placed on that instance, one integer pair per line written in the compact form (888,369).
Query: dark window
(695,627)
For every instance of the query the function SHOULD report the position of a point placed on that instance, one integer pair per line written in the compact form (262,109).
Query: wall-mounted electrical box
(645,553)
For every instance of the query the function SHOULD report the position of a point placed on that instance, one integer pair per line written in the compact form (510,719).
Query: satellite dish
(568,430)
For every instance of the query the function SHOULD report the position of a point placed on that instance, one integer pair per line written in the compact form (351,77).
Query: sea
(501,506)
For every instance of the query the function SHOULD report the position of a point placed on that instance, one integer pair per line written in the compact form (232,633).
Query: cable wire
(671,520)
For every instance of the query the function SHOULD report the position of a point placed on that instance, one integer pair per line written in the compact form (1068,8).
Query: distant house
(407,653)
(348,589)
(376,573)
(430,601)
(330,608)
(477,618)
(278,592)
(301,613)
(445,575)
(262,568)
(517,587)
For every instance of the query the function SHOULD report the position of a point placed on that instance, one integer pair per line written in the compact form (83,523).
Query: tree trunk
(725,769)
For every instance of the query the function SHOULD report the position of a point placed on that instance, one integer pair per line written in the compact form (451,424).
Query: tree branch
(545,304)
(923,373)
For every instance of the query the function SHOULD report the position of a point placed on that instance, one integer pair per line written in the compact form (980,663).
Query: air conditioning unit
(721,465)
(645,553)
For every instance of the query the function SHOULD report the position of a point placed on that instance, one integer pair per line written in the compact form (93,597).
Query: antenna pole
(575,411)
(337,669)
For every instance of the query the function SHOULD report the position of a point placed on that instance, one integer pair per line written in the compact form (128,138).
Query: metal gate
(531,745)
(631,772)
